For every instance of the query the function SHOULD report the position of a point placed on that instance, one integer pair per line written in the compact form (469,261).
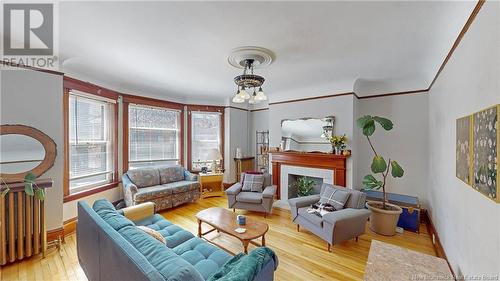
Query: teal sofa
(111,247)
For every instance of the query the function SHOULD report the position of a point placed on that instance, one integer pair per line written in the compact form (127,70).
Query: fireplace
(329,167)
(293,190)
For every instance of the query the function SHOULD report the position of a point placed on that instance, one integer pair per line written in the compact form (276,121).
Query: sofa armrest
(190,176)
(139,212)
(348,216)
(129,190)
(304,201)
(234,189)
(269,191)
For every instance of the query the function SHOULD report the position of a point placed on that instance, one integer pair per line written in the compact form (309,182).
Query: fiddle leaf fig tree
(379,167)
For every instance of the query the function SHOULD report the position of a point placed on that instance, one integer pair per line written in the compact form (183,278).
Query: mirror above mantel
(307,134)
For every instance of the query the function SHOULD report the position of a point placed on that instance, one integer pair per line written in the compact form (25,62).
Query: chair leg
(298,227)
(329,247)
(234,210)
(356,238)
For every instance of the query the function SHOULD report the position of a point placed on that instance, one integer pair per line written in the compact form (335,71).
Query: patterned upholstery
(144,177)
(171,174)
(167,187)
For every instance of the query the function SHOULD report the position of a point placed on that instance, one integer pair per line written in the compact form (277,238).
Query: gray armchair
(252,201)
(335,227)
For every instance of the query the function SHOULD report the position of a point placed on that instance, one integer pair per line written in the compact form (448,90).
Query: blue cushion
(165,260)
(205,257)
(172,233)
(108,213)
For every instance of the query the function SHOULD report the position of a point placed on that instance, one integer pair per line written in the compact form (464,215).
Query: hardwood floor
(302,255)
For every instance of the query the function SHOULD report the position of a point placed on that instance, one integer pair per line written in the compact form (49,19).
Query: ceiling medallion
(249,58)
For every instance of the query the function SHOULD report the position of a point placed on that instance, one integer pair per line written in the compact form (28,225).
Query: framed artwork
(463,149)
(485,151)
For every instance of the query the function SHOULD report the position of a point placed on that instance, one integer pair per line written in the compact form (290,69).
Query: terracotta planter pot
(383,221)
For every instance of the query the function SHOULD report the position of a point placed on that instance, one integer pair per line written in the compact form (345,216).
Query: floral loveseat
(167,187)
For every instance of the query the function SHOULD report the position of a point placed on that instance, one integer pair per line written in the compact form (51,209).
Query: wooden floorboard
(302,255)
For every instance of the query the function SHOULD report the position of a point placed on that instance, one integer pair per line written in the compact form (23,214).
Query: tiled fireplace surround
(325,174)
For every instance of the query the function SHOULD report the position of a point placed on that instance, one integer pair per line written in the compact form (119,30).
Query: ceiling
(178,50)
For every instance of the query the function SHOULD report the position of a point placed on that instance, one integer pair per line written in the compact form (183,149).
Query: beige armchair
(252,201)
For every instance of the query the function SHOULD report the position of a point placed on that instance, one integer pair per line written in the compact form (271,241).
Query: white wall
(259,121)
(35,99)
(341,107)
(405,143)
(468,223)
(236,125)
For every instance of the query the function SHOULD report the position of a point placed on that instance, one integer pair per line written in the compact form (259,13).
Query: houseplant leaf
(396,170)
(384,122)
(378,164)
(40,194)
(363,120)
(4,192)
(370,182)
(28,188)
(30,177)
(369,128)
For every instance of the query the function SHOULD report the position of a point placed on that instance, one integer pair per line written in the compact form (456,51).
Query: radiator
(22,226)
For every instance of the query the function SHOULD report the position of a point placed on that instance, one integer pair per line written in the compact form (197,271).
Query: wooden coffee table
(225,221)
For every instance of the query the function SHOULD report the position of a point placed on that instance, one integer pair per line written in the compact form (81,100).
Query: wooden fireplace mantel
(319,160)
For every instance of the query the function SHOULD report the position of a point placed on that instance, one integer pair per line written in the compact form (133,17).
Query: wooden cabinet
(242,165)
(211,184)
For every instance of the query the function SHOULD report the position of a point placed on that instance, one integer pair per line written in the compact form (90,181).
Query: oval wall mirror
(24,149)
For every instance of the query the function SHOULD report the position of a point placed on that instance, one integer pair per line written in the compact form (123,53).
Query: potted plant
(384,216)
(338,143)
(304,186)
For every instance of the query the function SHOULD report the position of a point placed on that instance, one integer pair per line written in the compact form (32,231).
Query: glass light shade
(251,100)
(238,99)
(260,95)
(243,94)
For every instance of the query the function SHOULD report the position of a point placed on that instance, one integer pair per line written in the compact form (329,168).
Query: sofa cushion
(249,197)
(253,182)
(108,213)
(312,218)
(182,186)
(151,192)
(205,257)
(335,196)
(170,174)
(170,265)
(144,177)
(172,233)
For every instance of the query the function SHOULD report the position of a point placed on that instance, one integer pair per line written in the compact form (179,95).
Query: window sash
(91,136)
(154,135)
(201,141)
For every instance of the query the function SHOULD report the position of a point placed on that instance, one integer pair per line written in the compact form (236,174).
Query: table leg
(245,245)
(199,228)
(263,240)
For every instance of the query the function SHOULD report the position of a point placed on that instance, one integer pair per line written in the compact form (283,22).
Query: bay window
(91,146)
(206,133)
(154,136)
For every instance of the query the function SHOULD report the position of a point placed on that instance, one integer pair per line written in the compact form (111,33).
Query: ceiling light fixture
(249,58)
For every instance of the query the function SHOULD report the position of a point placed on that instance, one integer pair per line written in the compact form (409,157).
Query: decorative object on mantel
(339,143)
(477,151)
(249,58)
(384,215)
(390,262)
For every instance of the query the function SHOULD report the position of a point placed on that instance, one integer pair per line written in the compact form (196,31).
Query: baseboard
(69,226)
(438,247)
(55,234)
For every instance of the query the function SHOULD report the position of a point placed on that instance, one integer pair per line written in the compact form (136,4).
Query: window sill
(89,192)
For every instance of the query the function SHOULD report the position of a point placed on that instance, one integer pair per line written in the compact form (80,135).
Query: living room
(256,140)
